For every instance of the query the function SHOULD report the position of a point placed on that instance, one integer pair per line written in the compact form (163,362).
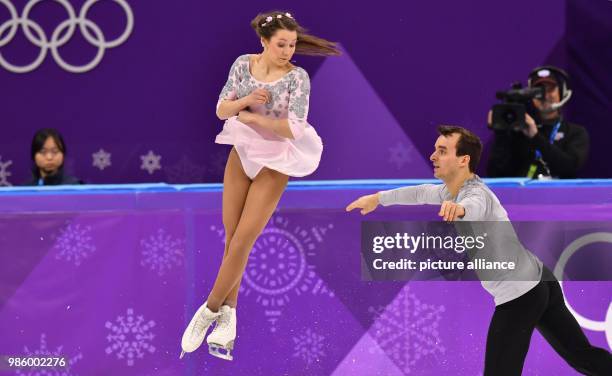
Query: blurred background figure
(545,144)
(48,152)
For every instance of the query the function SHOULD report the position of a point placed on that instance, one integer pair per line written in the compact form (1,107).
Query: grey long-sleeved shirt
(481,205)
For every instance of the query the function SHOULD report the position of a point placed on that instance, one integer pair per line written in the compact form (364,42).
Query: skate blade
(215,350)
(182,355)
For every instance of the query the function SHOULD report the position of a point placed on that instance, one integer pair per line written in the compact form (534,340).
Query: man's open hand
(365,203)
(450,211)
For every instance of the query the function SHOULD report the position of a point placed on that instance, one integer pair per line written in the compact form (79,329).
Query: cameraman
(548,145)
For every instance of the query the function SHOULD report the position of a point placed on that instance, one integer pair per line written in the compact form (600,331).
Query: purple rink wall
(108,277)
(407,67)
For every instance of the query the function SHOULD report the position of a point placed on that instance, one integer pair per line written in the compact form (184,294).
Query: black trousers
(541,308)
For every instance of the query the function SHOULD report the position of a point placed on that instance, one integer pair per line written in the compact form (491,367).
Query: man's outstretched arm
(413,195)
(424,194)
(475,207)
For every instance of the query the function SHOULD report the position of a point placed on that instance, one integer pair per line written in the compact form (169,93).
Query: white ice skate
(221,340)
(197,328)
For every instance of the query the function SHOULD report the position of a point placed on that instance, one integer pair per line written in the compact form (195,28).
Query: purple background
(74,262)
(406,68)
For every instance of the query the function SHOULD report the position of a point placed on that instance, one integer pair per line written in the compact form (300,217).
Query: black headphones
(559,75)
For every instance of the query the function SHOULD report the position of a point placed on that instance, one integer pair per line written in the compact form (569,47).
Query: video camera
(510,114)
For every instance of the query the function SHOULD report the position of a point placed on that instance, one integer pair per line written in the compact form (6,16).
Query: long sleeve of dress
(230,89)
(299,96)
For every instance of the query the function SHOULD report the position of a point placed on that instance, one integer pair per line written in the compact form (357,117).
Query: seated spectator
(48,152)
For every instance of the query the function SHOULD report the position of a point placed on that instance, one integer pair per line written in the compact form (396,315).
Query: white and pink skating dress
(258,147)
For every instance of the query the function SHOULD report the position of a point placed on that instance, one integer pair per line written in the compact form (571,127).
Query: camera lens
(509,117)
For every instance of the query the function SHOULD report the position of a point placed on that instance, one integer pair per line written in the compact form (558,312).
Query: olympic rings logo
(40,39)
(598,326)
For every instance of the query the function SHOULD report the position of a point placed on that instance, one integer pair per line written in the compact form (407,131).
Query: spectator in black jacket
(48,151)
(549,145)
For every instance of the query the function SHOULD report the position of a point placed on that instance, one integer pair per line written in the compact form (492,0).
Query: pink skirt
(291,157)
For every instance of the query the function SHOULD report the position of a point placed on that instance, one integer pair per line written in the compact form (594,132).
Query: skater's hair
(41,136)
(468,143)
(266,25)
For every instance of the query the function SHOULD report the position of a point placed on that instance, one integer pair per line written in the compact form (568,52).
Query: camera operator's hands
(531,130)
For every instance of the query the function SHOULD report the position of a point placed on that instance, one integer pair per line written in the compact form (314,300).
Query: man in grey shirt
(526,298)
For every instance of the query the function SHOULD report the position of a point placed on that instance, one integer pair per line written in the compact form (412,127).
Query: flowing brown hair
(307,44)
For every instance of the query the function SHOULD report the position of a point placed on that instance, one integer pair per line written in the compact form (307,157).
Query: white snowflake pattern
(150,162)
(309,346)
(407,330)
(399,155)
(185,171)
(101,159)
(130,337)
(43,352)
(278,267)
(5,173)
(74,244)
(160,252)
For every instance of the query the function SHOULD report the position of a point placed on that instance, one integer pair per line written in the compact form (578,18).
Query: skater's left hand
(450,211)
(365,203)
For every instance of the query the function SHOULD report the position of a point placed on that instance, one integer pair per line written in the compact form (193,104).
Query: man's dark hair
(468,143)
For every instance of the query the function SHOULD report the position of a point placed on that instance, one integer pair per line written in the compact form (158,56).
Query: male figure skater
(522,304)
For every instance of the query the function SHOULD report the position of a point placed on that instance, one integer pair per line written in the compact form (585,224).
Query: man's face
(445,160)
(552,96)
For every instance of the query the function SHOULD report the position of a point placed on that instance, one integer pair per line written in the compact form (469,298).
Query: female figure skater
(265,102)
